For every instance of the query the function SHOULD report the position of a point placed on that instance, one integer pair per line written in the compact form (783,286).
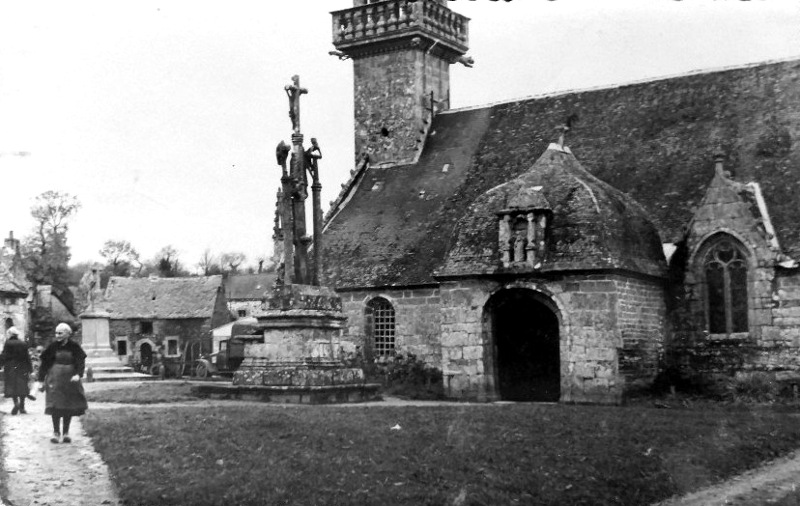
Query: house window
(725,268)
(122,346)
(146,327)
(172,347)
(381,326)
(242,313)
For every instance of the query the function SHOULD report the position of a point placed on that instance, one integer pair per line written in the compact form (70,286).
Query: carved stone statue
(504,239)
(293,91)
(519,245)
(282,153)
(312,155)
(91,283)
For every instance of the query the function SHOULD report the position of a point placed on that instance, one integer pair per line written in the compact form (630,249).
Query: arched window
(725,269)
(380,326)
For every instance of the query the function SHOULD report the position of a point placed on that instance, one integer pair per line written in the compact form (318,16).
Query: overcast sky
(162,116)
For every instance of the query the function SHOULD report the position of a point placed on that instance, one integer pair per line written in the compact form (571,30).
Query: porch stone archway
(523,336)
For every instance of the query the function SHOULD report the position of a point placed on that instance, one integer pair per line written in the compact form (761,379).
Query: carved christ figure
(293,91)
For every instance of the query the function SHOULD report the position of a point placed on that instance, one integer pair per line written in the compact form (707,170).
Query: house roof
(653,140)
(162,298)
(249,286)
(12,276)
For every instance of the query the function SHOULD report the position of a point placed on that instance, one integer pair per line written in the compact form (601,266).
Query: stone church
(569,247)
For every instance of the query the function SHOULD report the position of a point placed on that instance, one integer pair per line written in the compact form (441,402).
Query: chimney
(11,243)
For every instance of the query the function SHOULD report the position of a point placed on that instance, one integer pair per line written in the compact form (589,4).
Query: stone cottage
(656,235)
(14,290)
(245,292)
(173,315)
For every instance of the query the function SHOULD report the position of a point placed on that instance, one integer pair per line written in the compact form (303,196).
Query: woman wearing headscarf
(61,370)
(17,370)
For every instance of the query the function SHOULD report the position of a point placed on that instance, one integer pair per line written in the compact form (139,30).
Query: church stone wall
(417,320)
(611,331)
(772,341)
(641,317)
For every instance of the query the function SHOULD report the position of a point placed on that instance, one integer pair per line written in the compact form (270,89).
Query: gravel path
(43,473)
(764,485)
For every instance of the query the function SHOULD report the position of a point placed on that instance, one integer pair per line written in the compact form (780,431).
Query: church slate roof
(162,298)
(593,225)
(652,140)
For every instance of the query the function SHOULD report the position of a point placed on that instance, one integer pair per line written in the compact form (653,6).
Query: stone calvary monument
(295,354)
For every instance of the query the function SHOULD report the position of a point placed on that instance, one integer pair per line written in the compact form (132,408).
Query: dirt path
(42,473)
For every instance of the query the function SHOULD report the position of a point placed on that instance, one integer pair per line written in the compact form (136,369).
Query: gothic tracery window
(381,326)
(725,269)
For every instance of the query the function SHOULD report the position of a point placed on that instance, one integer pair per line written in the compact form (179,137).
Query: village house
(245,292)
(174,316)
(574,246)
(14,289)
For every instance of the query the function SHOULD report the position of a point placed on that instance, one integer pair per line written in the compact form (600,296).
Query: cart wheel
(201,371)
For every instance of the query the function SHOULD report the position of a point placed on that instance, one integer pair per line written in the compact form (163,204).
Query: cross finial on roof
(566,127)
(719,159)
(562,132)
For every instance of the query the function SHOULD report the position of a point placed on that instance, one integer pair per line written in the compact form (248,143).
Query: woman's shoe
(66,439)
(56,437)
(15,410)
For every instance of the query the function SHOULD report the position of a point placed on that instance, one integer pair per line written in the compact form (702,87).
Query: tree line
(45,252)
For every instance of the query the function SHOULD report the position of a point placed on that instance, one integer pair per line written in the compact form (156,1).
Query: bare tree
(232,260)
(209,263)
(121,257)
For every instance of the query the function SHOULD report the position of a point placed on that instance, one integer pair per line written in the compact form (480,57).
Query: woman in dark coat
(17,370)
(61,370)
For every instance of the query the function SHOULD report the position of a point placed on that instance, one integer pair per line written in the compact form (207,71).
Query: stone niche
(298,356)
(522,228)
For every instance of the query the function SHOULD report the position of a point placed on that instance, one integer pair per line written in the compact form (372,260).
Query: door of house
(146,356)
(525,332)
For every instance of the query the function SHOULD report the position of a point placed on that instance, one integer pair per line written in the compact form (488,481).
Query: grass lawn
(462,455)
(150,392)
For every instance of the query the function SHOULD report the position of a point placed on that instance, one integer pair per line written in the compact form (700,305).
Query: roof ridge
(645,80)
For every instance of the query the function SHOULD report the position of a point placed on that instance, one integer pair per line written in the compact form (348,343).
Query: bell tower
(401,51)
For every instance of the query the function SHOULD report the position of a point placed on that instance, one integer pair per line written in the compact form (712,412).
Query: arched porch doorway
(524,339)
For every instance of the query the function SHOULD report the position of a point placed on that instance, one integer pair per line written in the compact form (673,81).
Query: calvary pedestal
(297,356)
(298,359)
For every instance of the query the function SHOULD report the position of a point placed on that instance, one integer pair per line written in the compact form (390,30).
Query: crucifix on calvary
(294,182)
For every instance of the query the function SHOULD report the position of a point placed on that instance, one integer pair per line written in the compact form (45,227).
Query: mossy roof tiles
(162,298)
(653,141)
